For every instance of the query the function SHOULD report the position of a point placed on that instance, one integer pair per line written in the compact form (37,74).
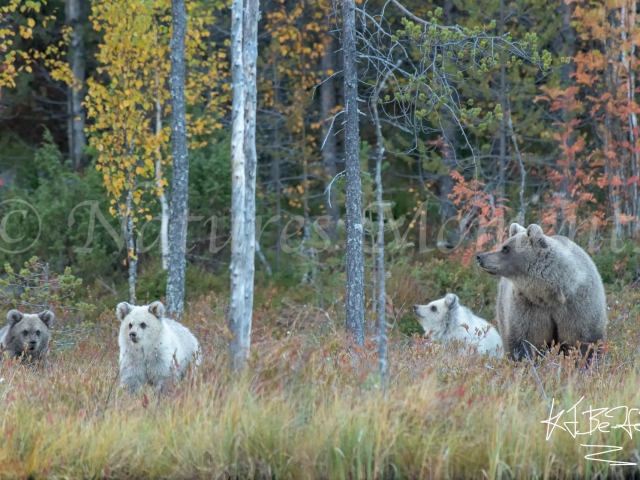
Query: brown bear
(27,335)
(550,292)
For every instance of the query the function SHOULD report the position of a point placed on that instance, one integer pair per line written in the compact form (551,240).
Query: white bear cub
(152,348)
(446,317)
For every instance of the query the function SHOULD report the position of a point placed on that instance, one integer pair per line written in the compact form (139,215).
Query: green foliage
(54,192)
(152,284)
(619,267)
(35,287)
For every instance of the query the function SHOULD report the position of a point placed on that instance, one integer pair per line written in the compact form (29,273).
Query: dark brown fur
(27,335)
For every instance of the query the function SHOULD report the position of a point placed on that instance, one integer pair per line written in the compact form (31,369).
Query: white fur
(163,348)
(447,321)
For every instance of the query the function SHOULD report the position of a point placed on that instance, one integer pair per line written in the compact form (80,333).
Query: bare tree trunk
(238,175)
(523,173)
(354,253)
(263,259)
(374,285)
(250,57)
(243,165)
(164,204)
(180,186)
(447,208)
(502,165)
(382,293)
(132,251)
(309,273)
(628,21)
(569,50)
(330,149)
(77,115)
(614,198)
(276,171)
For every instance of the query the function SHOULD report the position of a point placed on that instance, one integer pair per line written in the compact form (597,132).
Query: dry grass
(307,407)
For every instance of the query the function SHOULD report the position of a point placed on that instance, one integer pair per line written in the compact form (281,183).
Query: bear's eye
(25,333)
(434,309)
(505,249)
(143,325)
(131,325)
(38,332)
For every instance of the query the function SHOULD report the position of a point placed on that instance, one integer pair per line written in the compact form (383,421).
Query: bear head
(140,325)
(437,315)
(28,333)
(516,255)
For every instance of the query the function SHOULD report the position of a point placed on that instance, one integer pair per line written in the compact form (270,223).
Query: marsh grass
(309,407)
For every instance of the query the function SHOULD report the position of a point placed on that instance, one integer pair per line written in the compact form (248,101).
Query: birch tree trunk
(244,27)
(250,57)
(180,155)
(383,366)
(164,204)
(330,150)
(132,253)
(77,115)
(628,21)
(355,256)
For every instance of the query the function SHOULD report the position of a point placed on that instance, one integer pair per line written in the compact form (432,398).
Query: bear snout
(32,344)
(479,258)
(133,337)
(415,308)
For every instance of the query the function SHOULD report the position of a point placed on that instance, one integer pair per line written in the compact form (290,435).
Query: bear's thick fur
(152,348)
(27,335)
(446,318)
(550,292)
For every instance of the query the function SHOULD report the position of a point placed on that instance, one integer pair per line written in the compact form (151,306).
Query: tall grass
(309,407)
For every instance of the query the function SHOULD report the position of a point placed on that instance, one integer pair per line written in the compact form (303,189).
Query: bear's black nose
(132,335)
(415,308)
(32,343)
(479,257)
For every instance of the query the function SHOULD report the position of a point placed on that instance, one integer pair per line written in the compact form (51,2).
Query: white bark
(250,58)
(628,20)
(132,253)
(243,171)
(164,219)
(383,366)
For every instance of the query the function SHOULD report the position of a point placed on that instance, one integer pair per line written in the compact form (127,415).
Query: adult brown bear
(550,291)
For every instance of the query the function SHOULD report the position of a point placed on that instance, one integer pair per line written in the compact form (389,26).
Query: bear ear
(123,309)
(46,317)
(14,316)
(516,228)
(157,309)
(534,232)
(450,300)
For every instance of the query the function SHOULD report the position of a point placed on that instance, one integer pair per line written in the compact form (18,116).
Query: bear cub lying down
(446,317)
(152,348)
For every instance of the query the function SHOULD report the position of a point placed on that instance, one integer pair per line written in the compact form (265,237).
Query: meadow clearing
(307,406)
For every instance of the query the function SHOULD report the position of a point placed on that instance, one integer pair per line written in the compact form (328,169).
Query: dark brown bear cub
(27,335)
(550,292)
